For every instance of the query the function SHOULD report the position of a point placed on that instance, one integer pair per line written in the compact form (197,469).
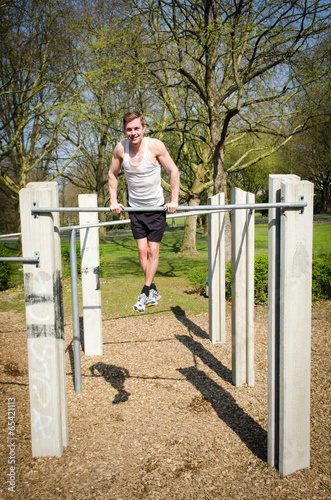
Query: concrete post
(60,316)
(295,329)
(89,245)
(216,271)
(242,309)
(44,320)
(289,334)
(250,263)
(275,182)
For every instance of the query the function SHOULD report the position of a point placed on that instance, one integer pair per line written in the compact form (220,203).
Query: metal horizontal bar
(12,235)
(24,260)
(181,208)
(127,221)
(97,224)
(188,211)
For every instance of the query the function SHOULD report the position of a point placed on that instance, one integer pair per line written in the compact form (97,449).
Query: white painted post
(44,320)
(250,264)
(290,274)
(238,288)
(60,316)
(216,271)
(275,182)
(89,245)
(295,328)
(242,292)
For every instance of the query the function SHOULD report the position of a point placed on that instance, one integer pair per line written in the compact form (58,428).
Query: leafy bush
(5,276)
(65,256)
(5,270)
(197,278)
(228,289)
(322,277)
(261,279)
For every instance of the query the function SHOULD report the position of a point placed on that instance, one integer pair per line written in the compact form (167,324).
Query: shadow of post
(81,332)
(227,409)
(115,376)
(198,349)
(70,351)
(206,357)
(179,313)
(224,404)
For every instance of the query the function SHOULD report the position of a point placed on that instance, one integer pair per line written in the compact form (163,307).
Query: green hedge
(321,284)
(65,257)
(260,280)
(322,277)
(5,270)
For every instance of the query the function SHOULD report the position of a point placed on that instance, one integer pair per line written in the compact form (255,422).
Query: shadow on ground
(224,404)
(115,376)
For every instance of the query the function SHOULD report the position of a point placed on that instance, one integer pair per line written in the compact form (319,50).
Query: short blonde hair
(132,115)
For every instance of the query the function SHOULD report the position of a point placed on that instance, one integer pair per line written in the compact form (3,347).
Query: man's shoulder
(155,145)
(119,150)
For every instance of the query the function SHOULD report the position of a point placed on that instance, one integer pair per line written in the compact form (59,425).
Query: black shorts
(150,225)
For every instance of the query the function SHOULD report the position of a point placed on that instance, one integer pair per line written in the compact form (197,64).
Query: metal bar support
(24,260)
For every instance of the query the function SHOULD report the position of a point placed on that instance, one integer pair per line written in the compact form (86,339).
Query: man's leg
(149,258)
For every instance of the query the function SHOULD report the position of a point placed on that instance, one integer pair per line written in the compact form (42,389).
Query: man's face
(134,131)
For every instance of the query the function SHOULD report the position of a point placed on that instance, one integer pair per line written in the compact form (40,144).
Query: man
(142,158)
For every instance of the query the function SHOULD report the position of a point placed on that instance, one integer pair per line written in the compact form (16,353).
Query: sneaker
(152,298)
(141,303)
(155,294)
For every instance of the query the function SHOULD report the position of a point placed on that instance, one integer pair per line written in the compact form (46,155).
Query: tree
(193,157)
(105,88)
(234,58)
(308,155)
(36,66)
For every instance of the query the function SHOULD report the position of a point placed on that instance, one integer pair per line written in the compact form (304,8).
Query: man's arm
(115,166)
(167,162)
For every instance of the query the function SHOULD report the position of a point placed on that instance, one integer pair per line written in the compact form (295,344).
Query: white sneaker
(152,298)
(155,294)
(141,303)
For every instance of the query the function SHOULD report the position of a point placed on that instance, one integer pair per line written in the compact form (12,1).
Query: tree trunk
(220,182)
(189,239)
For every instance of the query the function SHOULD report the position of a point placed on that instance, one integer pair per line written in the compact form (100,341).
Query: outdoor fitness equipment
(289,305)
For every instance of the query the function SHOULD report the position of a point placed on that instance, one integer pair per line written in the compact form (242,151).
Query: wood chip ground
(159,417)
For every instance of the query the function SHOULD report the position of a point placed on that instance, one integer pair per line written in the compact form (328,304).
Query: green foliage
(322,277)
(65,256)
(119,263)
(228,280)
(261,279)
(5,276)
(5,270)
(197,279)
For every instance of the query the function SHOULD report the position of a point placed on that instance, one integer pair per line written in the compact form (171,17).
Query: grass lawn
(321,239)
(122,277)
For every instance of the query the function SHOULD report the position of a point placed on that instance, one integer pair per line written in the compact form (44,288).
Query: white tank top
(144,180)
